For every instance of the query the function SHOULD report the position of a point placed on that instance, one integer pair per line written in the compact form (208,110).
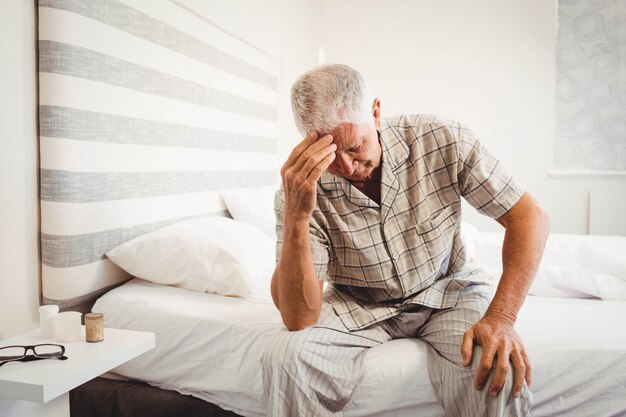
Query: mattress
(210,346)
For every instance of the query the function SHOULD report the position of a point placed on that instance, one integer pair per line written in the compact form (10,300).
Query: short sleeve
(484,182)
(320,248)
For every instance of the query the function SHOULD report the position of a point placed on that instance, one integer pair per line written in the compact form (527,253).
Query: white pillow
(254,206)
(210,254)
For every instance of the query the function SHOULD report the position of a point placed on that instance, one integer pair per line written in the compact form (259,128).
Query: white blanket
(575,266)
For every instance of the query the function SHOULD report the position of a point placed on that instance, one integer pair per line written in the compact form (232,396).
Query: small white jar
(67,327)
(47,316)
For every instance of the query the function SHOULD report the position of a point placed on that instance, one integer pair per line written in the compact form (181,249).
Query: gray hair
(328,96)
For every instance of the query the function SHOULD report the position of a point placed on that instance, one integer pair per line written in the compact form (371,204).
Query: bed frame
(103,397)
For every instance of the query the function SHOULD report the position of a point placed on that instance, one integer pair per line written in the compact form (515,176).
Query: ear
(376,113)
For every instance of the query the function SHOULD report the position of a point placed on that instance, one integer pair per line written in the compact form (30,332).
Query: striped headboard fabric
(147,111)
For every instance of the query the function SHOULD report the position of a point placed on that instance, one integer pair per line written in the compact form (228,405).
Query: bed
(209,346)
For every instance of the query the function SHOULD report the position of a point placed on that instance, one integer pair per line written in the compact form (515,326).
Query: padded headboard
(147,111)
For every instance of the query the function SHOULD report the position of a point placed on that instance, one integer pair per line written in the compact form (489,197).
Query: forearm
(524,242)
(296,289)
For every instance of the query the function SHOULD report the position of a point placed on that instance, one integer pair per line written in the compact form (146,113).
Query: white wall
(19,217)
(489,64)
(286,29)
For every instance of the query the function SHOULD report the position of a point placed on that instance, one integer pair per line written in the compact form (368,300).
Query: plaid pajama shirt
(379,259)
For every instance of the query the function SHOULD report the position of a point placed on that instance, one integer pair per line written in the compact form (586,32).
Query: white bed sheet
(209,346)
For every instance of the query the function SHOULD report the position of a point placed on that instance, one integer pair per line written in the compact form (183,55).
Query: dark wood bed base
(103,397)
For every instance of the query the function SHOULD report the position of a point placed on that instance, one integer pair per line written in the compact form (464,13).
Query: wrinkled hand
(305,165)
(499,342)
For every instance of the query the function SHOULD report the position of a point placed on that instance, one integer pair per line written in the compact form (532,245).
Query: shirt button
(395,256)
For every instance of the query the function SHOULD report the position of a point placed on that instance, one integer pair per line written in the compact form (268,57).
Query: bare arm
(298,296)
(527,227)
(296,290)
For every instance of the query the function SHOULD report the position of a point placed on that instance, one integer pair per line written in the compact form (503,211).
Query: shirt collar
(395,148)
(395,153)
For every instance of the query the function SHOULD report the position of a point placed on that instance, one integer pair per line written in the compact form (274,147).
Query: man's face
(358,151)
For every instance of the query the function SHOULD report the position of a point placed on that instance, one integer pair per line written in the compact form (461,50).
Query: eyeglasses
(42,351)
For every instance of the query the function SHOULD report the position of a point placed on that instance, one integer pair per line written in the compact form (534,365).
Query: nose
(344,164)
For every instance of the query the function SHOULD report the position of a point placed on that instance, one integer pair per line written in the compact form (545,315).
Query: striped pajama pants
(313,372)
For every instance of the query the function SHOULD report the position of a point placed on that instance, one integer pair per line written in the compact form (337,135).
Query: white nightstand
(41,388)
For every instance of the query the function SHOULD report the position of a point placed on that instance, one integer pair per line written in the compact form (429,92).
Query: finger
(308,153)
(501,372)
(467,347)
(300,147)
(486,362)
(519,373)
(317,171)
(312,163)
(528,375)
(320,145)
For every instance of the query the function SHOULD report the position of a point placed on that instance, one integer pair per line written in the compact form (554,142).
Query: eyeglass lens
(48,351)
(12,352)
(41,351)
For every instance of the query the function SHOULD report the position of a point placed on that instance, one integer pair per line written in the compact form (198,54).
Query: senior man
(373,206)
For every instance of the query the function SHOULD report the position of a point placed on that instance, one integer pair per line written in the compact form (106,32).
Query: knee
(446,374)
(507,387)
(479,365)
(285,351)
